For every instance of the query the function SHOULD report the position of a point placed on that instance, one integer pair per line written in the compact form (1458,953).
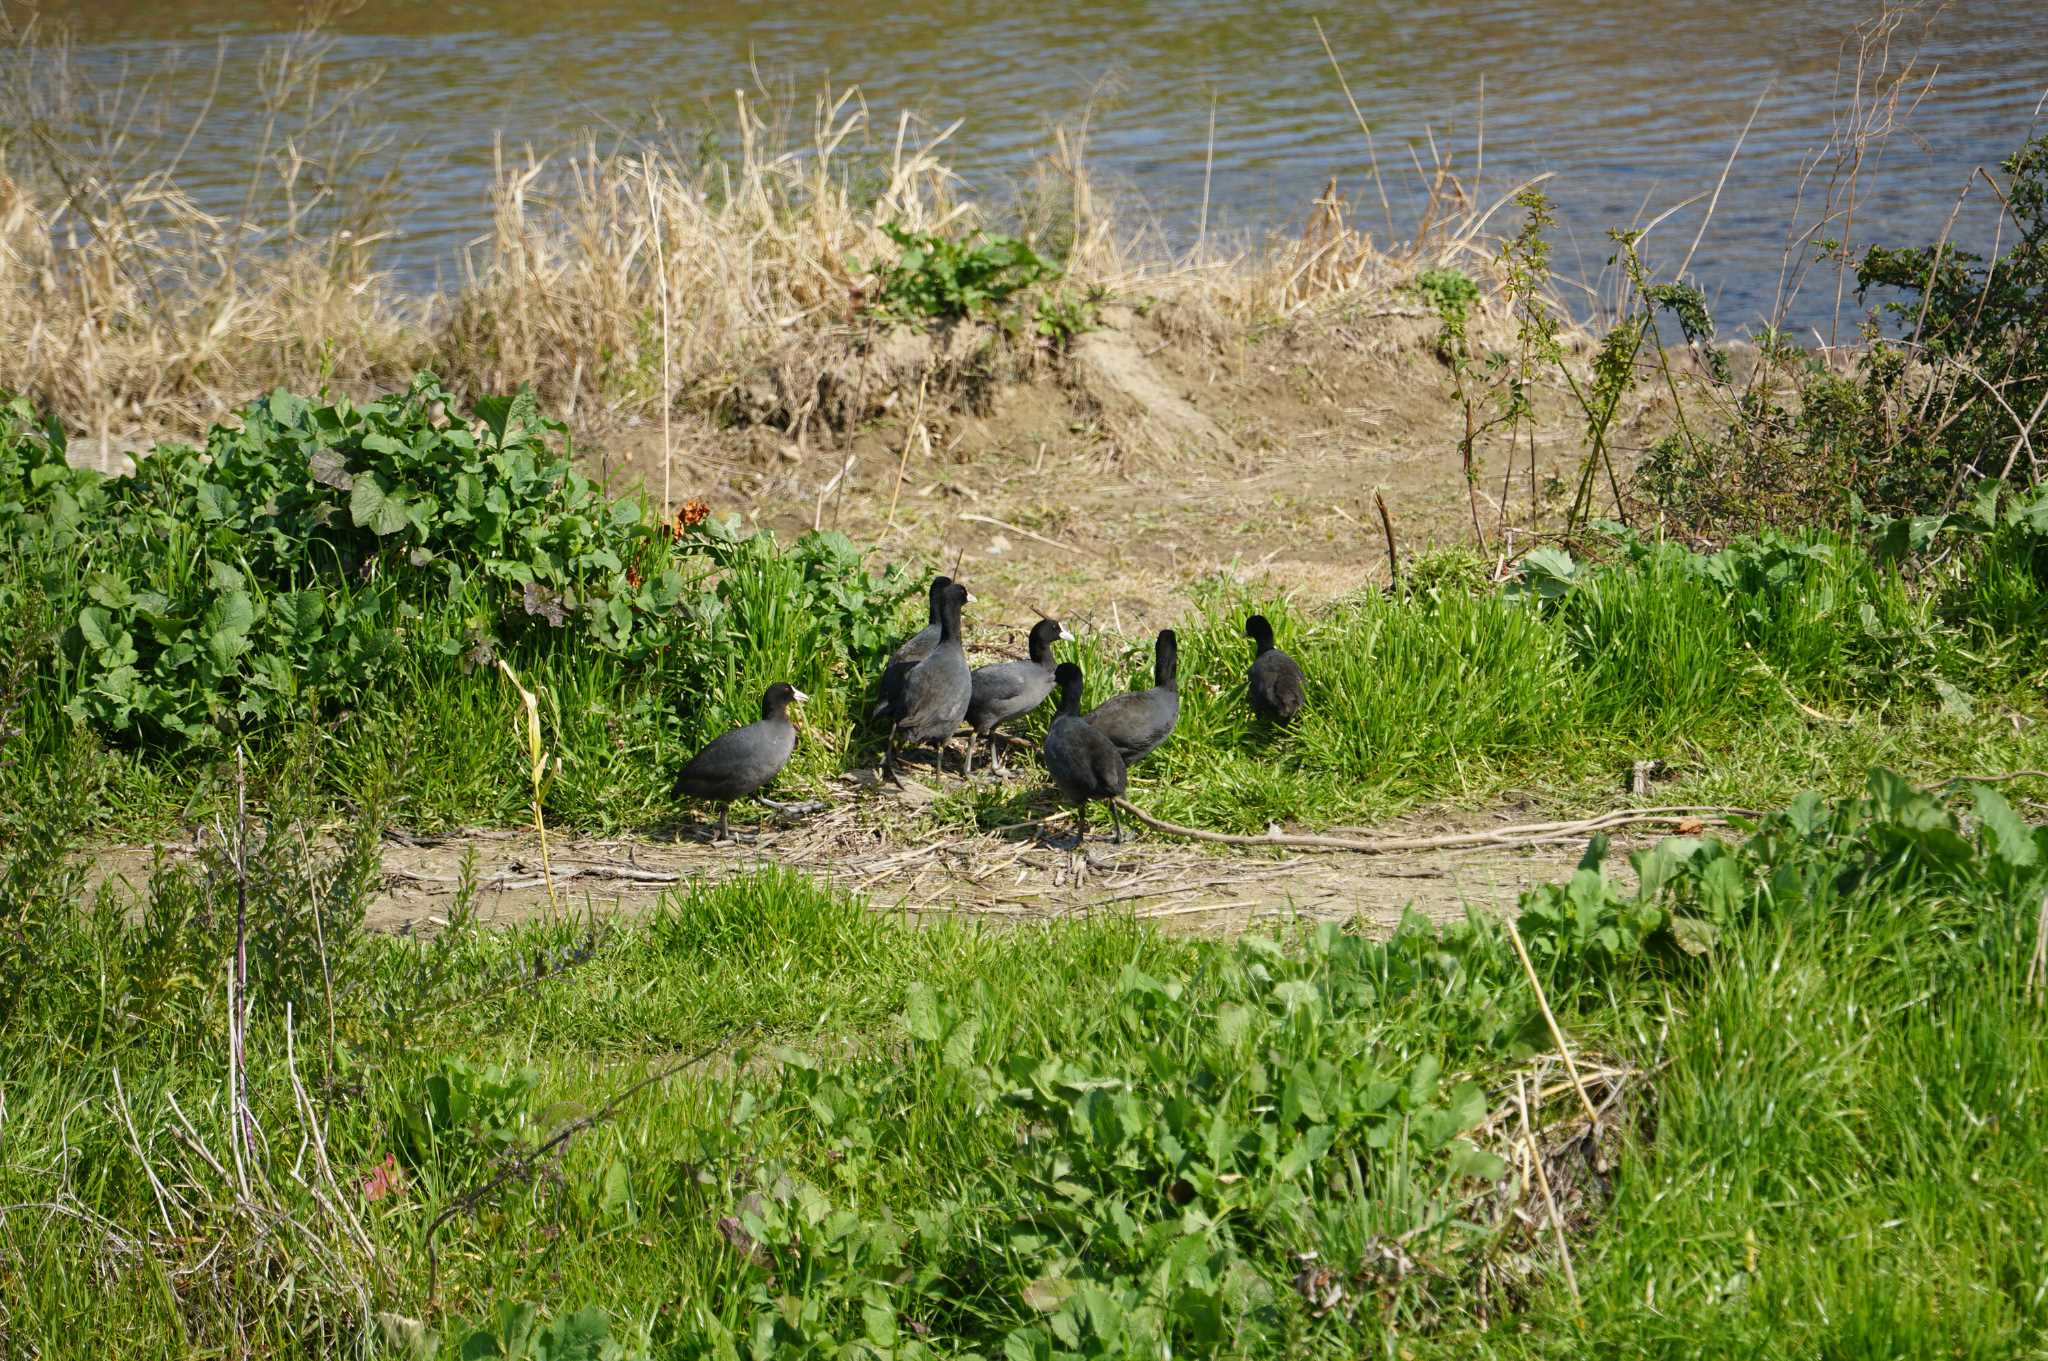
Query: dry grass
(126,308)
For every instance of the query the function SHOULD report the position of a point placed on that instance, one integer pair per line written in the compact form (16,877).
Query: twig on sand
(1526,834)
(1019,529)
(1564,1050)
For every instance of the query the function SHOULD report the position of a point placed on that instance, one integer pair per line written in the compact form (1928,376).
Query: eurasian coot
(1139,721)
(1009,690)
(742,762)
(936,692)
(1082,762)
(911,651)
(1275,680)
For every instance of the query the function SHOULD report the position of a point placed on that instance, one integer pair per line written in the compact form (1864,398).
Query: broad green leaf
(922,1015)
(2011,838)
(372,506)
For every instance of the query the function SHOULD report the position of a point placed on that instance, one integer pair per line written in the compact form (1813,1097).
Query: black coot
(743,761)
(1276,685)
(1083,762)
(936,692)
(912,650)
(1139,721)
(1011,689)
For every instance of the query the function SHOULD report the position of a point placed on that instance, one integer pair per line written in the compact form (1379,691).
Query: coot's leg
(724,828)
(1118,821)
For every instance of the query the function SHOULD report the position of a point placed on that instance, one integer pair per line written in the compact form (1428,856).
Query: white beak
(797,696)
(1065,636)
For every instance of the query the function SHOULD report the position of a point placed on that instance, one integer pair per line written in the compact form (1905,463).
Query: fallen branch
(511,879)
(1525,834)
(521,1165)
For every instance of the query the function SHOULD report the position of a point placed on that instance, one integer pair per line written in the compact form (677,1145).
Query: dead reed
(610,278)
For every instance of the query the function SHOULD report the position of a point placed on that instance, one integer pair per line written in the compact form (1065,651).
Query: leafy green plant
(1059,316)
(518,1333)
(939,278)
(460,1116)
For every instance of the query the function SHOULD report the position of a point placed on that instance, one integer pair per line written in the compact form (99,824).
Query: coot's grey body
(937,690)
(741,762)
(1139,721)
(1010,690)
(910,652)
(1082,761)
(1275,681)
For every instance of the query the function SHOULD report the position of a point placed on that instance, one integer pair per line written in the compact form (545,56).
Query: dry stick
(1526,834)
(903,463)
(188,1135)
(326,972)
(1208,168)
(1371,151)
(1564,1251)
(469,1199)
(238,1035)
(661,265)
(339,1206)
(2037,967)
(1387,524)
(234,1118)
(1999,778)
(1564,1050)
(163,1195)
(1019,529)
(2022,442)
(1719,184)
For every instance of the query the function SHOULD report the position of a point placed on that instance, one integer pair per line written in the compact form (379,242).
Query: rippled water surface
(1634,107)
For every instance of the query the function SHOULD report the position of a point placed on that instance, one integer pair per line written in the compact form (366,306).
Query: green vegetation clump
(1948,390)
(937,278)
(328,587)
(323,577)
(766,1121)
(940,278)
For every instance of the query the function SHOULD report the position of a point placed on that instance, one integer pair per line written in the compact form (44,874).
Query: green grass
(1081,1138)
(1463,697)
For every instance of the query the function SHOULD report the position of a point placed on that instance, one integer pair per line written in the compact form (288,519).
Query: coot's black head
(1068,679)
(1166,659)
(1259,629)
(937,596)
(1044,634)
(950,602)
(775,703)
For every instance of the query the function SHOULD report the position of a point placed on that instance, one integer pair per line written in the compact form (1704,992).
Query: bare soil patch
(1160,451)
(1016,876)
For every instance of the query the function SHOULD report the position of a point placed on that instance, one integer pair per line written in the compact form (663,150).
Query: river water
(1632,108)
